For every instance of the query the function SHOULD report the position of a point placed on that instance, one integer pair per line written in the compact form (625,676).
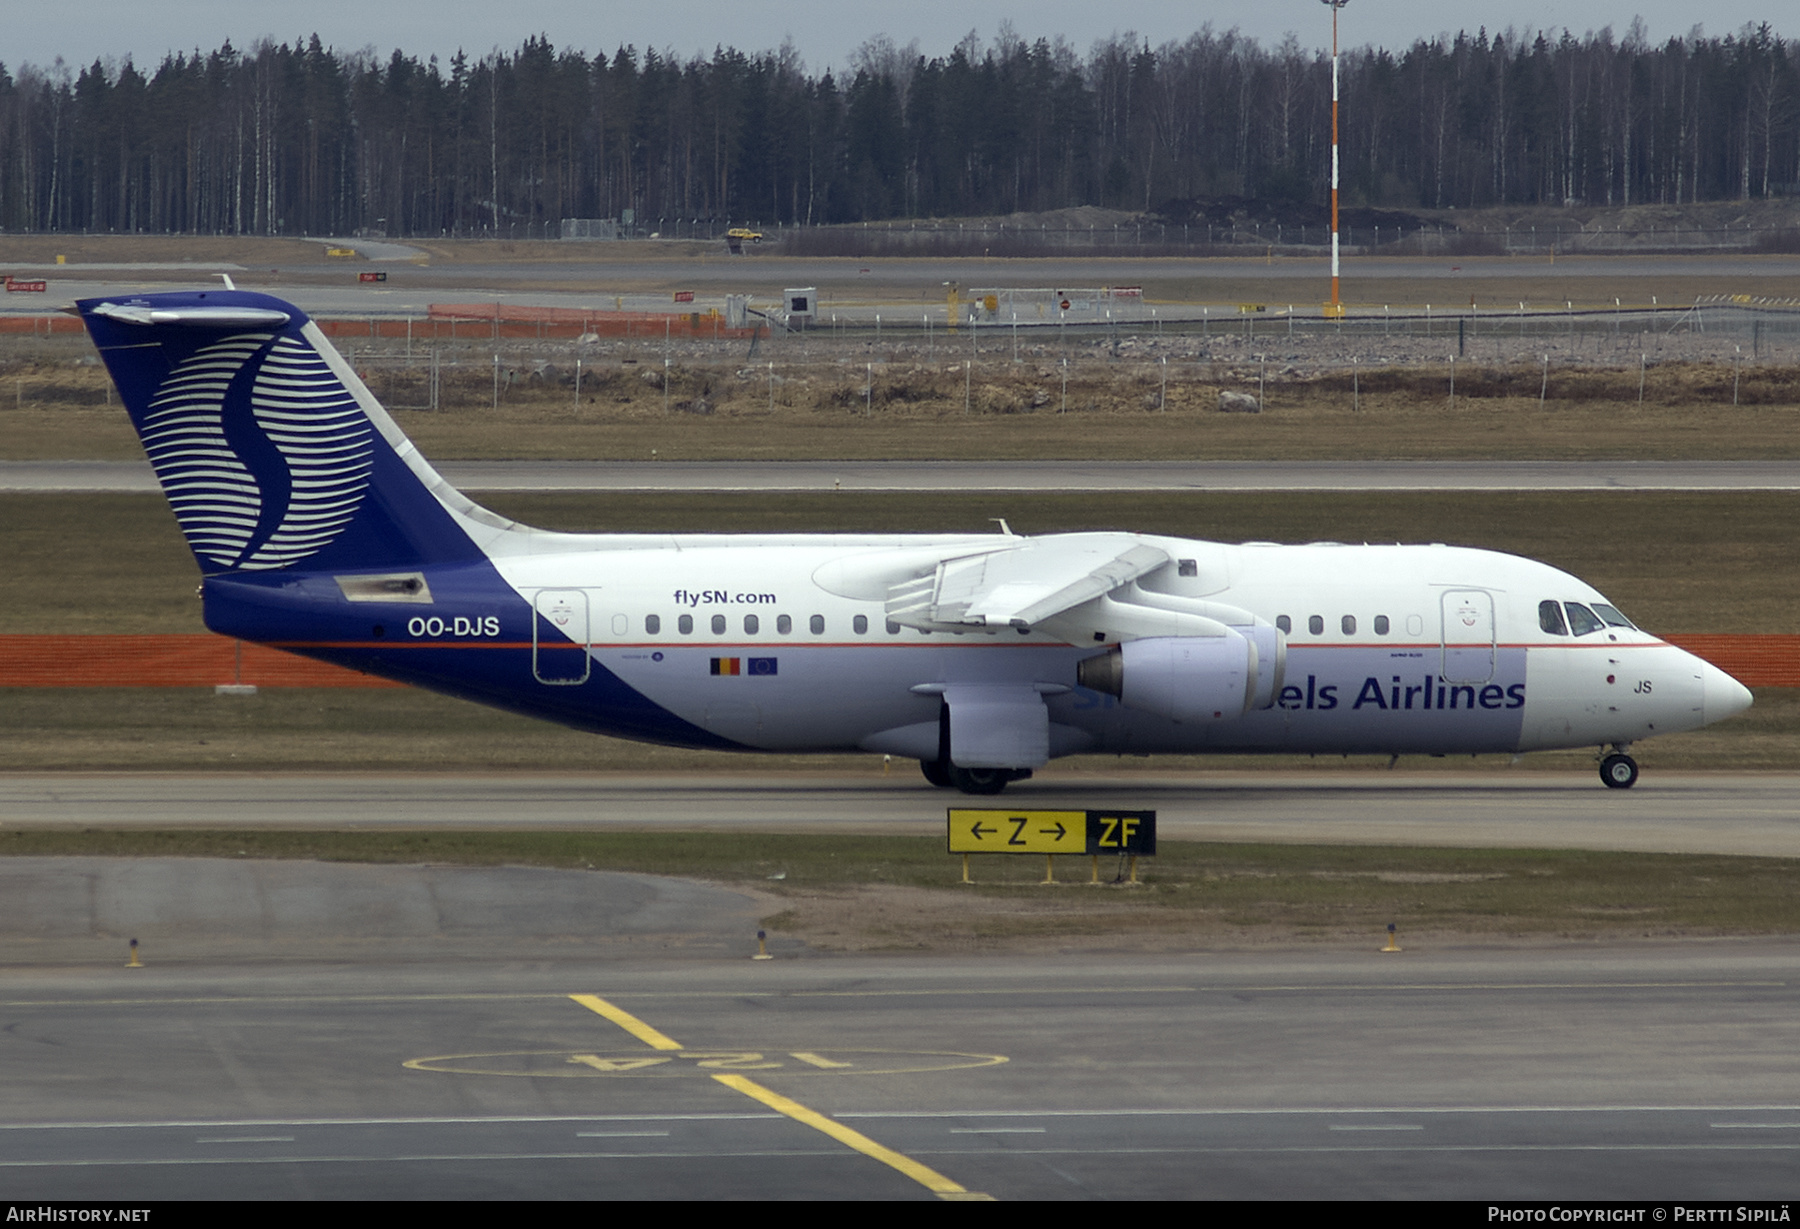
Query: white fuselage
(1389,649)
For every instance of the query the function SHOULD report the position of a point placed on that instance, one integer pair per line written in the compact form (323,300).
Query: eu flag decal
(725,665)
(759,665)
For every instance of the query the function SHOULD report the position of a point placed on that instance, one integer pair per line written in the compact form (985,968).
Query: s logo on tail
(263,452)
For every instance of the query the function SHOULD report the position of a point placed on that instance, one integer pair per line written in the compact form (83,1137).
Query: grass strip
(1693,561)
(1191,888)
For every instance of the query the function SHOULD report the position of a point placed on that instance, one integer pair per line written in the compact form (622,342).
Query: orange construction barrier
(474,321)
(197,660)
(1754,661)
(40,325)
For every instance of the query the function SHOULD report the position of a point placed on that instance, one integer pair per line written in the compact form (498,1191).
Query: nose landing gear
(1618,770)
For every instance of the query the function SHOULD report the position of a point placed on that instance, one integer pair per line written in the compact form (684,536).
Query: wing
(1022,584)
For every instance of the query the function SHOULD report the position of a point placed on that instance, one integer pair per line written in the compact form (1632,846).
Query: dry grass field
(76,249)
(1127,409)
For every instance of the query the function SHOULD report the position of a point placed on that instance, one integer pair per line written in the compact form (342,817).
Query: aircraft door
(1468,643)
(556,661)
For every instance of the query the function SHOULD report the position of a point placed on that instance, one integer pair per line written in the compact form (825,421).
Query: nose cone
(1721,695)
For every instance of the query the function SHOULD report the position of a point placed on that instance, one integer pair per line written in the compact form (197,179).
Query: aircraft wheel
(936,772)
(1619,771)
(979,780)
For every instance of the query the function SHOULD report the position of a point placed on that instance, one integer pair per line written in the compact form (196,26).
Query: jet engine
(1183,678)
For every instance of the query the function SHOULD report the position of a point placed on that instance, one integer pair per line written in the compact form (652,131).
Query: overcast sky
(825,32)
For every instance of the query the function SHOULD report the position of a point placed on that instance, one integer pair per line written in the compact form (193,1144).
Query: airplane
(320,529)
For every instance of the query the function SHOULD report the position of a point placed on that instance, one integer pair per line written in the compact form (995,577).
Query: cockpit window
(1550,618)
(1582,620)
(1612,616)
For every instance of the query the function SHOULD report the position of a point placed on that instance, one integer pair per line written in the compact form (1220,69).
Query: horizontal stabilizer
(195,317)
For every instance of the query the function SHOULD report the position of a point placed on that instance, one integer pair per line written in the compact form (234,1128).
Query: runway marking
(365,1158)
(489,1120)
(625,1020)
(249,1139)
(565,1064)
(188,1124)
(1211,988)
(635,1063)
(1756,1126)
(621,1135)
(830,1154)
(278,999)
(1322,1111)
(924,1175)
(817,1060)
(1387,1149)
(1373,1126)
(997,1130)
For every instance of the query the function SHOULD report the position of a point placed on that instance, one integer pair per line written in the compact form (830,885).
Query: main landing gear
(946,775)
(1618,770)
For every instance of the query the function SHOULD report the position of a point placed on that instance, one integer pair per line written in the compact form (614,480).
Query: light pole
(1335,307)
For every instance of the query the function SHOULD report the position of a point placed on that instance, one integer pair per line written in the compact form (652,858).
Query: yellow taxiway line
(924,1175)
(630,1023)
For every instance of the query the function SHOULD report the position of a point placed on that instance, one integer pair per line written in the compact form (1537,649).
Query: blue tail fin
(272,452)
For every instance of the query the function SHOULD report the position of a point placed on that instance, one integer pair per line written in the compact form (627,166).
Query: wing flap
(1035,580)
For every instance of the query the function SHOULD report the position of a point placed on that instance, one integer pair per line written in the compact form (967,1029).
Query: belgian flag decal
(745,665)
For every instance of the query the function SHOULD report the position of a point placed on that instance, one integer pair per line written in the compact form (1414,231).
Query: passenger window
(817,624)
(718,625)
(1550,618)
(1316,625)
(1381,625)
(783,624)
(1187,567)
(1285,624)
(653,624)
(1582,620)
(685,625)
(860,625)
(752,625)
(893,628)
(1348,623)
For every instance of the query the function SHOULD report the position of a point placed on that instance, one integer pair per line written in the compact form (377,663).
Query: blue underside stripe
(500,676)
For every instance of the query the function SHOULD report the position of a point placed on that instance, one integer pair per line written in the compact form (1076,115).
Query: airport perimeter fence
(856,352)
(859,359)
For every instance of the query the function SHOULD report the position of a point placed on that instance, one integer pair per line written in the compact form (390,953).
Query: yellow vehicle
(738,236)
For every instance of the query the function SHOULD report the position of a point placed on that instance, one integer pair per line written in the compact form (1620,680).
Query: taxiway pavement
(1712,813)
(1646,1072)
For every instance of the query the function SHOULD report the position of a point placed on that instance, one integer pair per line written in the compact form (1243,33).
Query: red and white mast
(1335,307)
